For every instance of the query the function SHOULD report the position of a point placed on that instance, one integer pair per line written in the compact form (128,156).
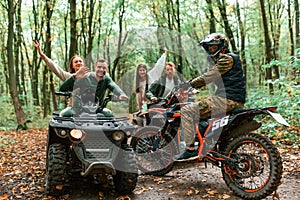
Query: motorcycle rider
(227,74)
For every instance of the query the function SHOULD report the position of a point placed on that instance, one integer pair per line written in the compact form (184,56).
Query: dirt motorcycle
(90,144)
(151,114)
(250,163)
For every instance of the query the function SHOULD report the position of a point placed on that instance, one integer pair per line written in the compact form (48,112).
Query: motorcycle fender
(278,118)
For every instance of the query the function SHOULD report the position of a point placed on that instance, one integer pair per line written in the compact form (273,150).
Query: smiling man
(98,82)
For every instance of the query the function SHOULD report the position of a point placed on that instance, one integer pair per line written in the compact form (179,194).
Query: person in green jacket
(98,81)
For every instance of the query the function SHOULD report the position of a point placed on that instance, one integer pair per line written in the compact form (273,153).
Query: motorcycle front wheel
(154,152)
(258,170)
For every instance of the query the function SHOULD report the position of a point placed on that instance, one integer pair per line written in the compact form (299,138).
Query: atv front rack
(91,119)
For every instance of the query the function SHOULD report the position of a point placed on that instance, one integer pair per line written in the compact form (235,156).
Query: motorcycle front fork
(160,134)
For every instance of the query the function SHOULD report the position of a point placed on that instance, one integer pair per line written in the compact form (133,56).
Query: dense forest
(265,33)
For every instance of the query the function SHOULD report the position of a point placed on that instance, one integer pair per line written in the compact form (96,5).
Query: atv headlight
(118,136)
(76,134)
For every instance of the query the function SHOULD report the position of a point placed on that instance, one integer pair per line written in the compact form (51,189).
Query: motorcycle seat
(237,111)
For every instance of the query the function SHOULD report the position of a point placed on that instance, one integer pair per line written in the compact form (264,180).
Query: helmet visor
(211,49)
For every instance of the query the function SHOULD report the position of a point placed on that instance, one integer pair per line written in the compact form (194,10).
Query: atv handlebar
(115,98)
(89,104)
(66,94)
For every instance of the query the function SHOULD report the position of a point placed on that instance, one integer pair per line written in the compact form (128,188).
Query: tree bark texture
(20,115)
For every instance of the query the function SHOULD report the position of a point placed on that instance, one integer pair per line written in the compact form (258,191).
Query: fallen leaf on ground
(211,192)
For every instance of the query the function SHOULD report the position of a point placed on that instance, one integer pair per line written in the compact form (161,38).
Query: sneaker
(186,156)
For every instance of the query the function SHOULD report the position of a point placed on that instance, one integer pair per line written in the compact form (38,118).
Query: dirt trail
(184,182)
(22,176)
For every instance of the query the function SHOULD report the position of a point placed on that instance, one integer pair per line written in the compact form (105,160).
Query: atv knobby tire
(56,174)
(126,176)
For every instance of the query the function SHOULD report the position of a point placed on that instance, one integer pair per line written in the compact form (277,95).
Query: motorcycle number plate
(220,123)
(278,118)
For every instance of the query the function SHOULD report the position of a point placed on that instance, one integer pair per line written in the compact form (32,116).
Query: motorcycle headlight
(76,134)
(118,136)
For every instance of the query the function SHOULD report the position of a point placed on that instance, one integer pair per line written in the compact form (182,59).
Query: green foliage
(7,118)
(274,63)
(34,115)
(291,63)
(286,98)
(140,45)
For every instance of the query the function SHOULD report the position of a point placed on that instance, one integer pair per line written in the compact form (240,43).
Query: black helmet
(214,39)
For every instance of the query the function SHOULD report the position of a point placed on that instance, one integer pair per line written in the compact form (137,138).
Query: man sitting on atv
(98,81)
(227,74)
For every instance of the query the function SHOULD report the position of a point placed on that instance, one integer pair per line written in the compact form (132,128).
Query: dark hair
(70,67)
(138,78)
(102,60)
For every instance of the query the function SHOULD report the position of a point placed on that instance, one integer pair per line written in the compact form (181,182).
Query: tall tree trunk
(5,87)
(121,18)
(179,38)
(297,21)
(29,63)
(229,33)
(73,32)
(49,11)
(82,43)
(211,17)
(20,70)
(91,32)
(20,115)
(290,24)
(99,20)
(33,72)
(66,39)
(267,45)
(17,45)
(275,9)
(243,38)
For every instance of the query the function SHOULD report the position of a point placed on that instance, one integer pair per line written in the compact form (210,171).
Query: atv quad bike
(92,145)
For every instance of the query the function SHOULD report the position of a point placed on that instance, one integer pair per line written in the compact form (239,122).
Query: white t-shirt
(142,87)
(169,86)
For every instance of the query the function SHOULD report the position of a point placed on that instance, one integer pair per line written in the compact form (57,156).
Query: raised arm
(58,71)
(158,68)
